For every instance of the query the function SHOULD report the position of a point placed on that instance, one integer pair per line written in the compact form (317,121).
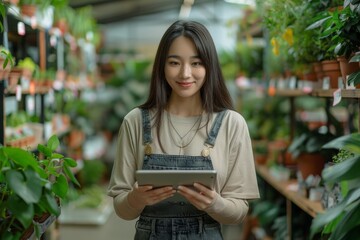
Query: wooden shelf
(38,90)
(310,207)
(291,92)
(345,93)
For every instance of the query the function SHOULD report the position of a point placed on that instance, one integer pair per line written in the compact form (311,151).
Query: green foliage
(340,28)
(343,220)
(229,64)
(341,156)
(266,212)
(246,60)
(16,119)
(7,56)
(309,141)
(42,4)
(28,63)
(250,58)
(31,186)
(354,78)
(267,119)
(92,172)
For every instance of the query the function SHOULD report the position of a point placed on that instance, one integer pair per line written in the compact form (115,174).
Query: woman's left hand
(201,199)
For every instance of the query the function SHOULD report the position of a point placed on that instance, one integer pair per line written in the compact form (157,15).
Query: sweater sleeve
(240,185)
(123,173)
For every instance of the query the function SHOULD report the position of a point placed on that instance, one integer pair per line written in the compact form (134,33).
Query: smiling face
(184,70)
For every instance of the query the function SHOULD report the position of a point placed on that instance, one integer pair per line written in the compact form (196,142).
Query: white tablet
(161,178)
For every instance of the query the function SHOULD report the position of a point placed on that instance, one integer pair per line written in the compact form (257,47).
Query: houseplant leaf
(354,78)
(50,203)
(60,186)
(70,162)
(352,234)
(349,221)
(324,218)
(350,142)
(345,170)
(355,58)
(26,184)
(53,143)
(70,175)
(329,227)
(21,157)
(23,211)
(331,214)
(45,150)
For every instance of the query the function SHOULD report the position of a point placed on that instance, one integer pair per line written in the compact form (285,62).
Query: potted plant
(83,23)
(7,61)
(63,18)
(28,8)
(5,56)
(28,66)
(31,186)
(341,221)
(339,28)
(306,148)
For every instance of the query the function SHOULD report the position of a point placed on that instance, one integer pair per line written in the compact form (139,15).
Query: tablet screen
(161,178)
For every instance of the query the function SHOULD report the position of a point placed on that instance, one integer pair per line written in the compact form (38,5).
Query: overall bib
(170,219)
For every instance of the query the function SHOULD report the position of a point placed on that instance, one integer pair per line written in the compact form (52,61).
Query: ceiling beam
(112,11)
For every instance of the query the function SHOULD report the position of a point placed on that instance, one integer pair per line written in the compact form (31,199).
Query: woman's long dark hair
(215,96)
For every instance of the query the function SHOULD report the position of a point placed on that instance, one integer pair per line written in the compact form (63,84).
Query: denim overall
(177,220)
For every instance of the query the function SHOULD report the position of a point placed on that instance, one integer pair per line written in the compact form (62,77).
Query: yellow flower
(275,45)
(288,36)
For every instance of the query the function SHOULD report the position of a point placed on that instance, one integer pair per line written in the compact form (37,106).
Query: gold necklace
(182,146)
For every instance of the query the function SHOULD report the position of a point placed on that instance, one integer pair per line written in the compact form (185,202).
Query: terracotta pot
(318,70)
(76,138)
(62,25)
(331,69)
(310,164)
(28,10)
(308,73)
(14,77)
(277,151)
(310,76)
(13,2)
(347,68)
(4,72)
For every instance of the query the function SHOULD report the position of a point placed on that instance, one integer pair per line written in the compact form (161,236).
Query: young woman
(187,122)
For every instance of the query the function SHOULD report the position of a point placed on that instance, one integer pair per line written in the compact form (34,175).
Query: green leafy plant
(4,53)
(7,56)
(342,221)
(259,112)
(44,3)
(355,76)
(309,141)
(312,140)
(339,28)
(16,119)
(31,186)
(28,63)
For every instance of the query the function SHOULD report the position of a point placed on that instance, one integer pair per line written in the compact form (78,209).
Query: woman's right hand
(142,196)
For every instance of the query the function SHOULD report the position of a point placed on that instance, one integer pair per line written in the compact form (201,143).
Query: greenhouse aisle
(114,228)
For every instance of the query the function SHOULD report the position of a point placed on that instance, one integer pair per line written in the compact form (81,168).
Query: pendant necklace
(182,146)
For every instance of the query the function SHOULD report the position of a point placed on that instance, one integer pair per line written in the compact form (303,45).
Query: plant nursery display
(342,220)
(32,187)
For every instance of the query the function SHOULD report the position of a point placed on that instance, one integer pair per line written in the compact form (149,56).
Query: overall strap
(215,128)
(146,126)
